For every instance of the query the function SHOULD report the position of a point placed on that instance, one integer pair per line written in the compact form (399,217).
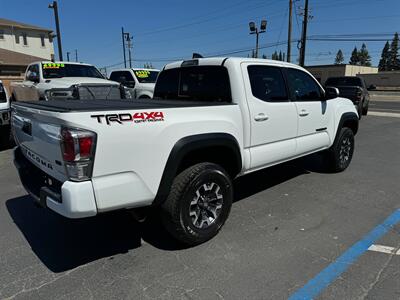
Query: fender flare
(348,116)
(187,145)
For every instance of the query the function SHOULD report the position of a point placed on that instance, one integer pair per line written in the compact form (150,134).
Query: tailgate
(38,135)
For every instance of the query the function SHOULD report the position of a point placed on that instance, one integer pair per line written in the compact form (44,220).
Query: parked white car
(139,82)
(47,80)
(4,114)
(211,121)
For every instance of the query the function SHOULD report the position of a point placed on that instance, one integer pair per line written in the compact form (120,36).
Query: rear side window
(121,76)
(302,86)
(199,83)
(267,83)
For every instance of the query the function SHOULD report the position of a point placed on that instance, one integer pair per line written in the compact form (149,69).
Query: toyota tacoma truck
(139,82)
(211,121)
(65,80)
(353,88)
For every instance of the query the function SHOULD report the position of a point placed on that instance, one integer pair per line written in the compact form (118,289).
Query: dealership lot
(289,228)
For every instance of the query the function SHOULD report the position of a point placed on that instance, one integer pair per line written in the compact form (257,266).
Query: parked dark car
(353,88)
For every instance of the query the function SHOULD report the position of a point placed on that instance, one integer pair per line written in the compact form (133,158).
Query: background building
(21,44)
(324,71)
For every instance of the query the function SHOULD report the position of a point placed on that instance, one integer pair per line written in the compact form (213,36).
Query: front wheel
(340,154)
(198,204)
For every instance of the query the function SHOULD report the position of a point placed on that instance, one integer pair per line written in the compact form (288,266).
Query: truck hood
(66,82)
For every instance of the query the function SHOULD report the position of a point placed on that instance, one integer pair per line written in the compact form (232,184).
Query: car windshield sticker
(142,74)
(53,66)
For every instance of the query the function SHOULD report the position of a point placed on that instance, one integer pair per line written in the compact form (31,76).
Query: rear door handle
(303,113)
(261,117)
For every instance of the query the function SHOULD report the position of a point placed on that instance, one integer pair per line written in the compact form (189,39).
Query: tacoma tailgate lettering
(142,117)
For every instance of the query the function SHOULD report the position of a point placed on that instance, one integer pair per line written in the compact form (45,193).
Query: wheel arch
(350,120)
(220,148)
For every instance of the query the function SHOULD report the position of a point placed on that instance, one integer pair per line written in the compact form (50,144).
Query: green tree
(394,63)
(264,56)
(280,56)
(364,57)
(384,62)
(339,59)
(354,59)
(275,56)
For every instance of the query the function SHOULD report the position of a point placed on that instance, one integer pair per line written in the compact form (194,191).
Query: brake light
(77,148)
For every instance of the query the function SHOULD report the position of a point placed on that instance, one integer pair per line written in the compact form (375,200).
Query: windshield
(146,76)
(200,83)
(59,70)
(343,81)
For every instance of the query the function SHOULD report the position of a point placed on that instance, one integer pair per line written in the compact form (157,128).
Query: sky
(169,30)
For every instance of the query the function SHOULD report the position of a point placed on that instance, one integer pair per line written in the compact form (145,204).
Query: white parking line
(384,114)
(384,249)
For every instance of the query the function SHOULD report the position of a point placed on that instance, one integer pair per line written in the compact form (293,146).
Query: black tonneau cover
(102,105)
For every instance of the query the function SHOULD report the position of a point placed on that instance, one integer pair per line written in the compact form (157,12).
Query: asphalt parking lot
(294,231)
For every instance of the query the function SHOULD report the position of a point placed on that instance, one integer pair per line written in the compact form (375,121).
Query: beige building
(323,72)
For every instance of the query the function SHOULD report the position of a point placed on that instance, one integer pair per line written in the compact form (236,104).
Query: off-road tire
(365,110)
(176,210)
(339,155)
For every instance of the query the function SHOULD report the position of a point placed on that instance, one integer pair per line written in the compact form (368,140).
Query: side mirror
(33,76)
(331,92)
(371,87)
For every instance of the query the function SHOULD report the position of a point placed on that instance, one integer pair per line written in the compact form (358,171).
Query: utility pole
(54,6)
(289,31)
(254,30)
(304,35)
(129,45)
(123,45)
(76,55)
(68,55)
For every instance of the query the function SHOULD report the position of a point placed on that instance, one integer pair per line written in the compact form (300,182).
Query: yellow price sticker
(142,74)
(53,65)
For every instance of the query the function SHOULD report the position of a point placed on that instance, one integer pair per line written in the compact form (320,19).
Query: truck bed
(106,105)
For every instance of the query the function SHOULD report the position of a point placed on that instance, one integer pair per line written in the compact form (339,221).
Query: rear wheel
(198,204)
(340,154)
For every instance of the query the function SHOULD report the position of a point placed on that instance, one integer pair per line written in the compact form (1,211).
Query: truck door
(126,79)
(29,86)
(313,111)
(273,117)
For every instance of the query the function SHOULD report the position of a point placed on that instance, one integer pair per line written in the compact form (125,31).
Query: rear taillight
(78,148)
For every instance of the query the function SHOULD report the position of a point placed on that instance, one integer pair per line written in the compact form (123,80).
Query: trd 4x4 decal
(142,117)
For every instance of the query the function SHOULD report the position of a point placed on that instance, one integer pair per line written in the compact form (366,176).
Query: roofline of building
(15,24)
(335,65)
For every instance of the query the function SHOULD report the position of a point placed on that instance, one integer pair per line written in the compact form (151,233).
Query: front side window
(32,69)
(197,83)
(17,38)
(1,34)
(302,86)
(60,70)
(267,83)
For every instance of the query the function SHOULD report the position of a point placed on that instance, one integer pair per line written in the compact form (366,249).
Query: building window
(42,40)
(25,38)
(17,38)
(1,34)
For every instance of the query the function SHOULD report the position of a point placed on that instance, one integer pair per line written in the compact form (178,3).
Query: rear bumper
(70,199)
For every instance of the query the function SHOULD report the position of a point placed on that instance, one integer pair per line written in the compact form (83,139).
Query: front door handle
(261,117)
(303,113)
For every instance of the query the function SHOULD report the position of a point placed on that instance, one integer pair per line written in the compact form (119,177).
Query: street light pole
(289,46)
(54,6)
(254,30)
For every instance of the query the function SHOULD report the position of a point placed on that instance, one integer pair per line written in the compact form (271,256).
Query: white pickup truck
(47,80)
(139,82)
(211,120)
